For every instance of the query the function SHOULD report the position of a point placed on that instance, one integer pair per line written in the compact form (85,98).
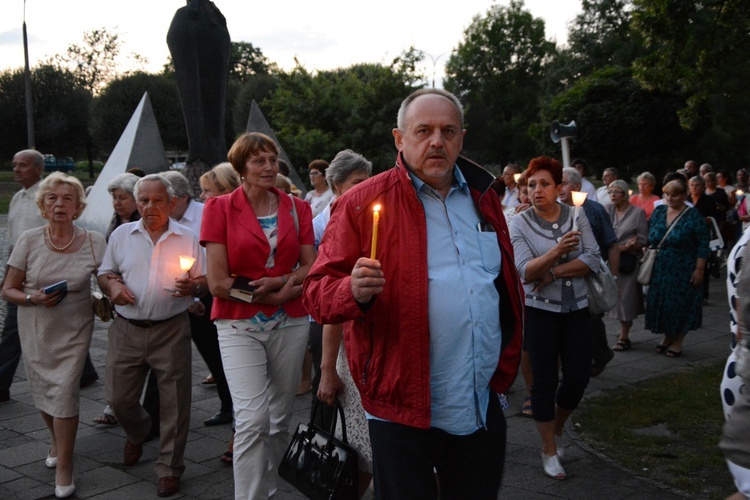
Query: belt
(146,323)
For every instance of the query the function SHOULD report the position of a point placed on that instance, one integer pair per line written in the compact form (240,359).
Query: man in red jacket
(433,322)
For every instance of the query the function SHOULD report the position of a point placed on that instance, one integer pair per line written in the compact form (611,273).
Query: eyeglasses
(315,173)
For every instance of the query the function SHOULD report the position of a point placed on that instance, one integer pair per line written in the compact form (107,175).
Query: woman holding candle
(552,259)
(263,234)
(55,327)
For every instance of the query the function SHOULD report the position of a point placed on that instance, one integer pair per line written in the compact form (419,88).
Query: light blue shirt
(464,313)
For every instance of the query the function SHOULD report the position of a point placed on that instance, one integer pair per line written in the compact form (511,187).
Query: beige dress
(55,340)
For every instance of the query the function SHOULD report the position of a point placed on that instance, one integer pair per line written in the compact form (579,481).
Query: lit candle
(516,177)
(186,262)
(739,192)
(375,220)
(630,192)
(578,198)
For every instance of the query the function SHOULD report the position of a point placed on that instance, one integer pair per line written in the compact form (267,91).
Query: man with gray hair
(609,175)
(152,329)
(606,238)
(23,214)
(189,213)
(432,331)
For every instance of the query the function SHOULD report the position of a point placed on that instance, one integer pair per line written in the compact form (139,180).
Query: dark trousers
(549,337)
(471,466)
(10,353)
(315,343)
(206,339)
(10,349)
(600,355)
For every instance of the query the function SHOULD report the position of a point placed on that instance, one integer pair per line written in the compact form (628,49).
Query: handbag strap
(671,226)
(338,410)
(294,214)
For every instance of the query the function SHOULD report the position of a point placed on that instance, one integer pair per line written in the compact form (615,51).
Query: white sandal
(552,467)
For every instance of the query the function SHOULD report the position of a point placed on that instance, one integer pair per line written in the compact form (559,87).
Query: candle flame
(516,177)
(578,197)
(376,208)
(186,262)
(740,192)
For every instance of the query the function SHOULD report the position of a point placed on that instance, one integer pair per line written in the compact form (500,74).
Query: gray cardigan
(532,236)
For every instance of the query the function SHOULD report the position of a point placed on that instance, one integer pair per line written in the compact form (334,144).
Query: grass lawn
(688,406)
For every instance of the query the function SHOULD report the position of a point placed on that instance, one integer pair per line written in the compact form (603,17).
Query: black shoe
(85,382)
(154,433)
(221,418)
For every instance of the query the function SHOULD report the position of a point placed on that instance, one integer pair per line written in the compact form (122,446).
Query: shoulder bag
(603,293)
(318,464)
(102,308)
(649,258)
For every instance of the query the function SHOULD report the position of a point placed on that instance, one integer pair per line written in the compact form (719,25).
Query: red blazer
(230,220)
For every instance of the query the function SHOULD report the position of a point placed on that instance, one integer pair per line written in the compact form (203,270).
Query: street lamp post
(434,64)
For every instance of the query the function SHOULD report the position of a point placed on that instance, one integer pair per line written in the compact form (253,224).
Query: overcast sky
(322,35)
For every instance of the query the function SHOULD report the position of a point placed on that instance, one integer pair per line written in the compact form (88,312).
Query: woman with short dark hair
(554,250)
(265,236)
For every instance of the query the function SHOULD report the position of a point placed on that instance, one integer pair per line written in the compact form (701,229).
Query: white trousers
(263,370)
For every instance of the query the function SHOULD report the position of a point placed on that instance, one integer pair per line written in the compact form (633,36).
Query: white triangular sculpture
(140,146)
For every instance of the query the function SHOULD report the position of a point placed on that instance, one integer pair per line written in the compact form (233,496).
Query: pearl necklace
(55,247)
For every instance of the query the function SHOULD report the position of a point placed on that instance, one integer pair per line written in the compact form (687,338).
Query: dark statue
(200,46)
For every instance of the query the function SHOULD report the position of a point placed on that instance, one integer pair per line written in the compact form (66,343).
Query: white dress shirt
(149,270)
(23,213)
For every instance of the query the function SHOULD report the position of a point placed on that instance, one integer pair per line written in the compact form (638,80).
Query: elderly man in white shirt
(609,175)
(23,214)
(152,328)
(586,186)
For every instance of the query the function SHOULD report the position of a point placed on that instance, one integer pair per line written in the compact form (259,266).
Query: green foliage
(601,36)
(113,109)
(498,71)
(621,125)
(257,88)
(246,61)
(698,49)
(317,115)
(94,63)
(688,405)
(60,112)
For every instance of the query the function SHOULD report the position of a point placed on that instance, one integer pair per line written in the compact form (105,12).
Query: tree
(114,107)
(246,61)
(699,49)
(317,115)
(620,124)
(95,62)
(60,112)
(601,36)
(498,72)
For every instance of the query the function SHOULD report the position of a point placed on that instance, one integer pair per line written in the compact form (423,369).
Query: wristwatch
(28,299)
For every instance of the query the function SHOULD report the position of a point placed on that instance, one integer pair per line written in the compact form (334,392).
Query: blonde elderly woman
(55,327)
(222,179)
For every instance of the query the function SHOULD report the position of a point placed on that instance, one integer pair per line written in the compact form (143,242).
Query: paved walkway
(99,473)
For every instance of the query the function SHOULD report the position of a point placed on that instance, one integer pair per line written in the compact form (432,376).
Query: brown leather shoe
(168,486)
(132,453)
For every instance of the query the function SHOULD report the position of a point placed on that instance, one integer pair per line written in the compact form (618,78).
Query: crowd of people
(416,295)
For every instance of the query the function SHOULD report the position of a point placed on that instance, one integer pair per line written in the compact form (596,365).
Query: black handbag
(318,464)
